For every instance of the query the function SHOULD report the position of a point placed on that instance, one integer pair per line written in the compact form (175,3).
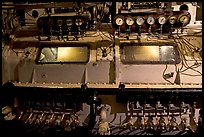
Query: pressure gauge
(69,22)
(172,20)
(140,20)
(78,22)
(129,21)
(150,20)
(51,22)
(184,19)
(59,22)
(119,21)
(162,20)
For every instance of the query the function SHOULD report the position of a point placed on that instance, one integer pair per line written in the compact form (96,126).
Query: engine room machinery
(101,68)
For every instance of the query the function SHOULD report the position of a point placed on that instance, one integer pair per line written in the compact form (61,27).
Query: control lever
(162,124)
(29,118)
(150,124)
(138,123)
(173,125)
(21,114)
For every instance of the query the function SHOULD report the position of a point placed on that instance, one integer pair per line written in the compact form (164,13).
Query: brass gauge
(79,22)
(129,21)
(69,22)
(119,21)
(184,19)
(162,20)
(140,20)
(59,22)
(172,19)
(150,20)
(51,22)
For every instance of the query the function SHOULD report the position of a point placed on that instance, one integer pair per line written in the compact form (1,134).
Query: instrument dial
(172,20)
(140,20)
(129,21)
(59,22)
(184,19)
(150,20)
(162,20)
(119,21)
(51,22)
(69,22)
(78,22)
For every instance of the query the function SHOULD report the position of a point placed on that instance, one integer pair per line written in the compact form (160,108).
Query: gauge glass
(69,22)
(59,22)
(172,19)
(78,22)
(184,19)
(150,20)
(140,20)
(119,21)
(129,21)
(162,20)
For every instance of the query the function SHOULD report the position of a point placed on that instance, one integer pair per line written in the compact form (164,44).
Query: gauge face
(150,20)
(119,21)
(78,22)
(172,19)
(140,20)
(59,22)
(51,22)
(129,21)
(69,22)
(184,19)
(162,20)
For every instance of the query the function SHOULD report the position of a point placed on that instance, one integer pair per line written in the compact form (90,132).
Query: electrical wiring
(189,74)
(164,74)
(190,67)
(181,48)
(111,37)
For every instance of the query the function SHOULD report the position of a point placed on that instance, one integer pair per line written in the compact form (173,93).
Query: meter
(129,21)
(119,21)
(140,20)
(162,20)
(150,20)
(172,19)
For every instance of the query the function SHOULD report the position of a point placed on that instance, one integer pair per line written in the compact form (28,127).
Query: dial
(162,20)
(172,19)
(59,22)
(78,22)
(69,22)
(150,20)
(129,21)
(140,20)
(119,21)
(51,22)
(184,19)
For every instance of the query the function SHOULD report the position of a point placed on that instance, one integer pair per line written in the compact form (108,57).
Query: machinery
(101,68)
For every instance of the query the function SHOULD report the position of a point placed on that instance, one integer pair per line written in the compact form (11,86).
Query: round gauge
(150,20)
(51,22)
(184,19)
(40,23)
(129,21)
(69,22)
(59,22)
(119,21)
(172,19)
(162,20)
(140,20)
(78,22)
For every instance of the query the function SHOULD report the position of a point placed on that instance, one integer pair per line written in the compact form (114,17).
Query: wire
(164,74)
(181,48)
